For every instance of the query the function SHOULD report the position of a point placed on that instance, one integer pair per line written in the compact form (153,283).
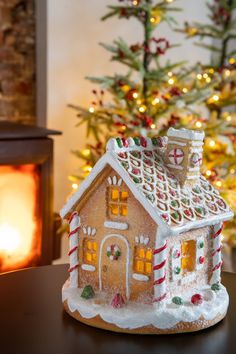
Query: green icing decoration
(175,215)
(108,253)
(201,244)
(199,210)
(177,300)
(88,292)
(177,270)
(185,201)
(154,141)
(197,190)
(137,141)
(215,287)
(119,142)
(136,180)
(135,154)
(173,203)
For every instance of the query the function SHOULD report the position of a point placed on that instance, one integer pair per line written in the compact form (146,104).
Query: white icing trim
(140,277)
(197,150)
(88,230)
(114,179)
(197,175)
(135,315)
(176,143)
(109,180)
(177,167)
(127,261)
(116,225)
(186,134)
(189,277)
(197,143)
(119,182)
(88,267)
(193,169)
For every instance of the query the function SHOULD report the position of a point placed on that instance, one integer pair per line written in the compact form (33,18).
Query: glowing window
(117,202)
(142,260)
(188,252)
(90,251)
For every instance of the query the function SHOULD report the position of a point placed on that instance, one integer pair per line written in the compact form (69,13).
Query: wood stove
(26,196)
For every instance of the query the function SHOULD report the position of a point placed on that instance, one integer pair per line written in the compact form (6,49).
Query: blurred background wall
(74,31)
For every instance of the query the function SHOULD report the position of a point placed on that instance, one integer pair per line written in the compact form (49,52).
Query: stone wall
(17,61)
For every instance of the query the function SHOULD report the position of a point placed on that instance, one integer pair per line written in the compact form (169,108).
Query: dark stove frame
(22,144)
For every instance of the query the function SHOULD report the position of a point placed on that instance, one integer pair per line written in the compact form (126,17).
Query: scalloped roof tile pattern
(142,161)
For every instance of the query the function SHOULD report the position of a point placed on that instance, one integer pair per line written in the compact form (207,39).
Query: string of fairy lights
(203,77)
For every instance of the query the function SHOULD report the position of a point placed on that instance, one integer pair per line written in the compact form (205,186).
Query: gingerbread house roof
(140,163)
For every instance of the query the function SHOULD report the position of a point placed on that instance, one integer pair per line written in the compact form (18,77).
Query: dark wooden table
(32,321)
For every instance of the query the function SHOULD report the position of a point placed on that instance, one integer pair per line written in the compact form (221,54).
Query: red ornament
(196,299)
(201,259)
(117,301)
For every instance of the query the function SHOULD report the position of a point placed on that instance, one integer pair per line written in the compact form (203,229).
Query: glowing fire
(10,243)
(18,191)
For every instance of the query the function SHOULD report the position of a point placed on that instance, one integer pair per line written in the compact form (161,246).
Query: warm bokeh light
(91,109)
(18,195)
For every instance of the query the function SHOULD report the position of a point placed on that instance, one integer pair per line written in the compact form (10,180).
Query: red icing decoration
(135,171)
(143,141)
(125,142)
(158,250)
(173,193)
(165,217)
(197,200)
(123,155)
(117,301)
(187,212)
(160,195)
(201,259)
(196,299)
(176,254)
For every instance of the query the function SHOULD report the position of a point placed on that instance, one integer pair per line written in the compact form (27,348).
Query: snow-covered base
(135,315)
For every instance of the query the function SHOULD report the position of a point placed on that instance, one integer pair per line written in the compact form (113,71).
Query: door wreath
(113,252)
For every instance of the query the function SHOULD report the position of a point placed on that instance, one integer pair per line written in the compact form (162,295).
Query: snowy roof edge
(109,159)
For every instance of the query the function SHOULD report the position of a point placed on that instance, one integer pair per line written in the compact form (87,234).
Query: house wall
(93,212)
(198,277)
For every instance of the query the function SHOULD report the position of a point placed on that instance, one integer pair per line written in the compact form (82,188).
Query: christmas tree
(219,123)
(151,96)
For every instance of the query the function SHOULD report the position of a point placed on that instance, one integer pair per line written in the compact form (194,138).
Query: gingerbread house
(145,239)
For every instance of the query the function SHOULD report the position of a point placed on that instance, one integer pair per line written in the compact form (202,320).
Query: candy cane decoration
(216,253)
(159,268)
(74,223)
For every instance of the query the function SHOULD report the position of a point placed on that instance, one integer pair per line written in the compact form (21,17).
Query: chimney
(183,155)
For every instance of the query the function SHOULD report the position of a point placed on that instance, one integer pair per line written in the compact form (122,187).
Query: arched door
(114,265)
